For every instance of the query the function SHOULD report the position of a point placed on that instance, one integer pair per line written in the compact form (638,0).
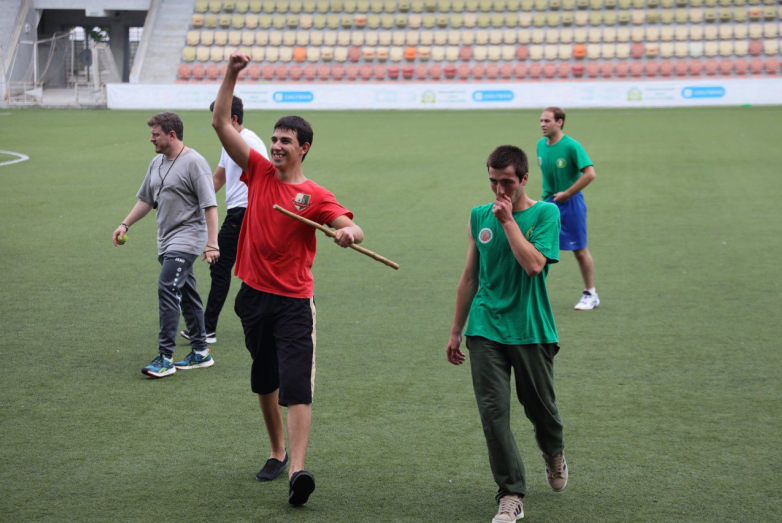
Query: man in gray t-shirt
(178,185)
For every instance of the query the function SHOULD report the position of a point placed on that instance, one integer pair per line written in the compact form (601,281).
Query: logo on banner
(703,92)
(485,235)
(492,96)
(634,95)
(428,97)
(293,96)
(302,201)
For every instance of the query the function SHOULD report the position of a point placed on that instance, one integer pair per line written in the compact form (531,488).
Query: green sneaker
(195,361)
(160,367)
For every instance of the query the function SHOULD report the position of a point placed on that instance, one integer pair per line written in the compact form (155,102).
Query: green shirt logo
(561,163)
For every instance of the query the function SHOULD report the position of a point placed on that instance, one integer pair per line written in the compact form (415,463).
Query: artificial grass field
(670,391)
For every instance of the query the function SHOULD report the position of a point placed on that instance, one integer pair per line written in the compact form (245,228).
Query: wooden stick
(328,232)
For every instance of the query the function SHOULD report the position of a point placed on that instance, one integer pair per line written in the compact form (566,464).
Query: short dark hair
(506,155)
(558,113)
(168,122)
(237,109)
(298,125)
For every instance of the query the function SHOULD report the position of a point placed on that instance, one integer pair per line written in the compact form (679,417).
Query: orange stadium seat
(579,51)
(410,53)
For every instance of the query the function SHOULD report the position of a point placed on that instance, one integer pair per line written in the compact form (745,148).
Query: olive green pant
(533,368)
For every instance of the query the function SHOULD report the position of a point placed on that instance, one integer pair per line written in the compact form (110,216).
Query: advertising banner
(576,94)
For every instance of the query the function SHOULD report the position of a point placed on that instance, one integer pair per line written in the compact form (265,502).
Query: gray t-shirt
(187,190)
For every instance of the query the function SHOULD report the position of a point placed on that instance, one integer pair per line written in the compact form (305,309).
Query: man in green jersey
(511,242)
(566,171)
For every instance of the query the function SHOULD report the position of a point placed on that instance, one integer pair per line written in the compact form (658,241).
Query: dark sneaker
(211,337)
(195,361)
(556,471)
(160,367)
(272,469)
(302,485)
(511,509)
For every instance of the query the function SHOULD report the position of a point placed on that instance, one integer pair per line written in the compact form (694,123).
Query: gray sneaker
(556,471)
(511,509)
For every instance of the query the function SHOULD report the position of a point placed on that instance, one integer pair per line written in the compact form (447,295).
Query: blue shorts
(573,213)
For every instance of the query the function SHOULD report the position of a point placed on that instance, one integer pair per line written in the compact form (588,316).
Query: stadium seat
(492,71)
(681,68)
(424,53)
(579,52)
(772,66)
(212,72)
(636,69)
(740,66)
(522,53)
(622,51)
(437,71)
(538,36)
(549,71)
(696,67)
(564,70)
(622,69)
(535,52)
(696,33)
(520,71)
(608,51)
(267,72)
(234,38)
(711,67)
(637,51)
(202,54)
(726,67)
(199,72)
(535,71)
(609,35)
(696,50)
(324,72)
(593,51)
(771,47)
(652,50)
(257,54)
(216,54)
(421,72)
(337,72)
(592,70)
(756,66)
(184,72)
(755,48)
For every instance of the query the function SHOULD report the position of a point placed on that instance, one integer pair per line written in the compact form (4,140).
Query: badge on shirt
(485,235)
(302,201)
(561,163)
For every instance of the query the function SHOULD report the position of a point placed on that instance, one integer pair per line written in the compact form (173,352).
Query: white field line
(22,158)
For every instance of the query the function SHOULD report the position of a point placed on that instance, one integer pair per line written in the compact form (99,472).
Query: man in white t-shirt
(227,174)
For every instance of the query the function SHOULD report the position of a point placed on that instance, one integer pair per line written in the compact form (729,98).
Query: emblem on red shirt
(302,201)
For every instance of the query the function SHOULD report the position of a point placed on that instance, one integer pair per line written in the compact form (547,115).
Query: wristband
(127,227)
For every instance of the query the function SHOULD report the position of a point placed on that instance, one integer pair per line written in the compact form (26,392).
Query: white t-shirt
(235,189)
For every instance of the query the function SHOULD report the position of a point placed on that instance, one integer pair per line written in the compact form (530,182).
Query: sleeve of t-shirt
(581,159)
(257,144)
(257,165)
(223,156)
(331,209)
(545,236)
(204,186)
(145,191)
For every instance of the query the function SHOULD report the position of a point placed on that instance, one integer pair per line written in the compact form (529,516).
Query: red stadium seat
(637,50)
(755,48)
(563,70)
(636,69)
(520,71)
(522,53)
(726,67)
(310,72)
(295,72)
(212,72)
(756,66)
(242,74)
(354,54)
(267,72)
(549,71)
(281,72)
(465,53)
(607,70)
(506,71)
(652,68)
(393,72)
(351,72)
(380,72)
(337,72)
(535,70)
(199,72)
(222,70)
(696,67)
(254,72)
(681,68)
(592,70)
(622,69)
(184,72)
(421,72)
(478,71)
(741,66)
(463,71)
(407,72)
(666,69)
(365,72)
(492,71)
(578,70)
(772,66)
(436,71)
(324,72)
(711,67)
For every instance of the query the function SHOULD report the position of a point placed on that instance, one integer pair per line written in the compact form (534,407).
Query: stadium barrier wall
(678,93)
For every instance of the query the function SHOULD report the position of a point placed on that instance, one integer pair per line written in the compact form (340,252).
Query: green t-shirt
(561,164)
(510,307)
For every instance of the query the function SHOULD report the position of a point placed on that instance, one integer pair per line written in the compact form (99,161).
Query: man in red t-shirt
(274,259)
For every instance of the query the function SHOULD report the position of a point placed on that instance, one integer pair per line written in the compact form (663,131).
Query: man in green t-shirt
(511,241)
(567,169)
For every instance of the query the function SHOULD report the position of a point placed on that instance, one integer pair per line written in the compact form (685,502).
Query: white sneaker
(588,302)
(511,509)
(211,337)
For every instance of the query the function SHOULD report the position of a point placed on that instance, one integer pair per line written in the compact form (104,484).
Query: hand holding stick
(328,232)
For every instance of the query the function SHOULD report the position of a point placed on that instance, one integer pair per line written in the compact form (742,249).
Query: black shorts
(279,332)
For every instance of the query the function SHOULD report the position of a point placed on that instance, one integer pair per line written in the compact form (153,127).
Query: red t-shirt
(275,252)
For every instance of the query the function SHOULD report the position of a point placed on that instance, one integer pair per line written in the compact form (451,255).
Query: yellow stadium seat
(538,19)
(261,38)
(220,38)
(216,54)
(207,38)
(257,54)
(554,5)
(541,5)
(485,5)
(470,20)
(682,33)
(595,18)
(457,20)
(264,21)
(740,32)
(451,53)
(349,6)
(272,54)
(237,21)
(679,49)
(726,32)
(229,5)
(193,38)
(710,33)
(741,48)
(438,54)
(771,47)
(527,5)
(535,52)
(552,36)
(289,38)
(609,18)
(426,37)
(275,38)
(623,51)
(608,51)
(481,37)
(500,6)
(709,15)
(610,4)
(414,21)
(256,6)
(494,53)
(523,36)
(189,54)
(428,21)
(666,34)
(202,54)
(696,33)
(497,20)
(279,22)
(726,48)
(483,20)
(755,31)
(652,16)
(711,49)
(215,6)
(624,4)
(400,20)
(637,34)
(623,35)
(538,36)
(495,36)
(234,38)
(609,35)
(623,17)
(201,6)
(593,51)
(224,20)
(479,53)
(580,36)
(305,21)
(770,30)
(638,17)
(652,34)
(251,21)
(564,52)
(509,37)
(525,20)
